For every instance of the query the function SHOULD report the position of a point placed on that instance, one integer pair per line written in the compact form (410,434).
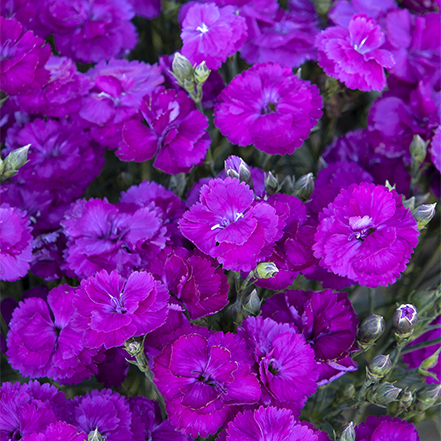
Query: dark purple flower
(62,95)
(59,431)
(415,358)
(366,234)
(117,92)
(422,6)
(15,243)
(105,411)
(229,225)
(202,376)
(212,34)
(435,149)
(286,38)
(111,310)
(42,342)
(268,423)
(285,362)
(384,427)
(414,44)
(176,133)
(268,106)
(327,321)
(146,8)
(353,55)
(22,58)
(91,31)
(113,370)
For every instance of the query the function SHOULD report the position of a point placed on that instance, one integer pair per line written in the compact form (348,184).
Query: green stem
(421,345)
(371,300)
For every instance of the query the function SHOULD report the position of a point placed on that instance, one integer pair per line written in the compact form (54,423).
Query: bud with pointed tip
(427,397)
(95,436)
(410,203)
(347,433)
(265,270)
(12,163)
(252,303)
(304,187)
(378,368)
(424,214)
(201,73)
(182,69)
(271,183)
(418,150)
(370,330)
(405,399)
(405,319)
(236,167)
(383,394)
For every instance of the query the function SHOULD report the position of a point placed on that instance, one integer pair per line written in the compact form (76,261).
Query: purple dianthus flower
(176,133)
(111,310)
(353,55)
(229,225)
(203,375)
(22,58)
(15,243)
(59,431)
(366,234)
(212,34)
(268,106)
(385,427)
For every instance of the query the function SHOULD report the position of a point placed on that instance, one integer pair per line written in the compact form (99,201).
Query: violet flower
(366,234)
(268,106)
(354,55)
(59,431)
(385,427)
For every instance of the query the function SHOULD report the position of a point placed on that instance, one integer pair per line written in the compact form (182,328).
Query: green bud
(243,174)
(405,400)
(388,186)
(409,203)
(429,362)
(427,397)
(347,392)
(12,163)
(347,433)
(304,187)
(178,183)
(182,69)
(95,436)
(405,318)
(265,270)
(378,368)
(271,183)
(383,394)
(134,346)
(252,303)
(418,150)
(370,330)
(201,73)
(424,214)
(287,185)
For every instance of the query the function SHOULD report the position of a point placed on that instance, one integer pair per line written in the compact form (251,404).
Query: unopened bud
(347,433)
(252,303)
(265,270)
(236,167)
(95,436)
(429,362)
(271,183)
(405,399)
(405,319)
(201,73)
(348,391)
(427,397)
(134,347)
(370,330)
(409,203)
(418,150)
(424,214)
(378,368)
(383,394)
(12,163)
(304,187)
(182,69)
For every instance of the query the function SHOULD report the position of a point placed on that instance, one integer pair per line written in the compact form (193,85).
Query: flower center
(117,305)
(202,29)
(225,222)
(362,227)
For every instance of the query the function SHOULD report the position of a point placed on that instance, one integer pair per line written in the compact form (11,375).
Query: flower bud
(271,183)
(304,187)
(347,433)
(429,362)
(370,330)
(383,394)
(95,436)
(409,203)
(427,397)
(201,73)
(236,167)
(418,150)
(405,319)
(378,368)
(12,163)
(134,347)
(424,214)
(405,400)
(182,69)
(265,270)
(252,303)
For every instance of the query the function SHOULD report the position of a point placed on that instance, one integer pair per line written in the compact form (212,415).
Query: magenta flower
(435,149)
(15,243)
(146,8)
(22,58)
(328,322)
(59,431)
(117,92)
(176,133)
(111,310)
(285,362)
(353,55)
(268,423)
(203,375)
(91,31)
(42,342)
(229,225)
(385,427)
(268,106)
(366,234)
(212,34)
